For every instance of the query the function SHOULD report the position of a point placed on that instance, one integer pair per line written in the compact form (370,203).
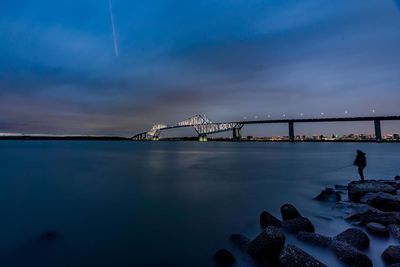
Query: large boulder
(289,212)
(241,241)
(224,258)
(314,239)
(357,189)
(267,219)
(377,229)
(292,256)
(328,194)
(354,237)
(391,255)
(298,224)
(394,230)
(350,255)
(267,245)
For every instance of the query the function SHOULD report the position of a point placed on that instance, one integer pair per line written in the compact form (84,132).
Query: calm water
(164,203)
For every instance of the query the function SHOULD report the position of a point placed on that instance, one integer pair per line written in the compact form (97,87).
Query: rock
(49,236)
(394,230)
(289,212)
(367,198)
(292,256)
(391,255)
(241,241)
(366,214)
(395,265)
(357,189)
(298,224)
(350,255)
(377,228)
(267,219)
(224,258)
(328,194)
(385,204)
(341,187)
(314,239)
(397,177)
(354,237)
(267,245)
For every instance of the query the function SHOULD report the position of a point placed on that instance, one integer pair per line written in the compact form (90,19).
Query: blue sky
(224,58)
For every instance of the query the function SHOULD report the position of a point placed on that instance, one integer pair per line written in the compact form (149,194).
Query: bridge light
(345,112)
(284,115)
(373,111)
(322,113)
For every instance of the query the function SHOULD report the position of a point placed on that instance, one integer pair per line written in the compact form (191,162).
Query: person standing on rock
(361,163)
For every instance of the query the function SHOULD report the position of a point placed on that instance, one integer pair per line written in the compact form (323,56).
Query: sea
(121,203)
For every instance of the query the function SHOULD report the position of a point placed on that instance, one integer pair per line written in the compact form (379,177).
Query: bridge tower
(378,131)
(202,138)
(237,133)
(291,131)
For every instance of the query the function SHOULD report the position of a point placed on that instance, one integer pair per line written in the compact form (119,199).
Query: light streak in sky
(116,49)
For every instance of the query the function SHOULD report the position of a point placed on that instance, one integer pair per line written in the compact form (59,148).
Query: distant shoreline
(187,139)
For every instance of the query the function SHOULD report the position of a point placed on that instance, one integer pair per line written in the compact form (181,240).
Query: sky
(62,72)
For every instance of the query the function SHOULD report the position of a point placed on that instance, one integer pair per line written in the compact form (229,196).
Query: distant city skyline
(67,69)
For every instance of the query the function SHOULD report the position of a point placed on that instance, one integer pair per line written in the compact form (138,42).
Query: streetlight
(284,115)
(255,117)
(322,114)
(269,116)
(345,112)
(301,114)
(373,111)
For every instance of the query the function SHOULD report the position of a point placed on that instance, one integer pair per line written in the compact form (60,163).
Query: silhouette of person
(361,163)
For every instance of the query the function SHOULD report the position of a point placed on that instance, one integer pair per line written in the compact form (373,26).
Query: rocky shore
(371,208)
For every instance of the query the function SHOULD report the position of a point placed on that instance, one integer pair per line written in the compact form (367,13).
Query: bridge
(204,126)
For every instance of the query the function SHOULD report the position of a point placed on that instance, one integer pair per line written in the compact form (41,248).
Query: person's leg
(361,173)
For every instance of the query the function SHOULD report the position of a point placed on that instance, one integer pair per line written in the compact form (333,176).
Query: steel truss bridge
(204,126)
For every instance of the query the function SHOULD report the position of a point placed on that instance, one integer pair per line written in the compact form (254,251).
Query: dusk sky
(228,59)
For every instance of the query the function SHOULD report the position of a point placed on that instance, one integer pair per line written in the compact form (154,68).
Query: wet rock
(298,224)
(357,189)
(397,177)
(354,237)
(241,241)
(49,236)
(328,194)
(267,245)
(289,212)
(350,255)
(385,204)
(314,239)
(394,230)
(292,256)
(224,258)
(267,219)
(377,228)
(391,255)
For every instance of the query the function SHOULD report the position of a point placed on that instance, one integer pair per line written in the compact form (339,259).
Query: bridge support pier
(202,138)
(378,131)
(237,133)
(291,131)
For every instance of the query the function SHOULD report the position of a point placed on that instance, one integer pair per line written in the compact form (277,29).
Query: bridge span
(205,126)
